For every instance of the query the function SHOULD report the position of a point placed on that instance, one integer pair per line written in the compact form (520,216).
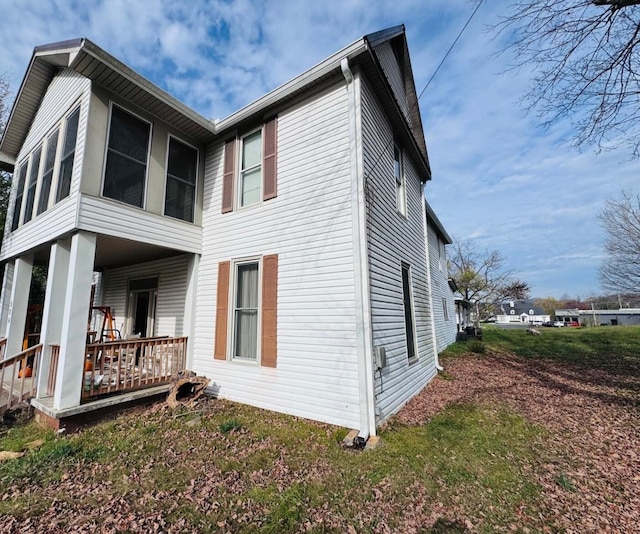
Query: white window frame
(166,176)
(445,309)
(26,163)
(40,146)
(241,171)
(400,181)
(113,104)
(77,106)
(231,332)
(56,166)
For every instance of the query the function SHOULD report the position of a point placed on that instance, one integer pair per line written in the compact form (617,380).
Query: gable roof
(435,222)
(522,307)
(91,61)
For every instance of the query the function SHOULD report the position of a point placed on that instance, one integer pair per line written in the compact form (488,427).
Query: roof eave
(431,216)
(274,97)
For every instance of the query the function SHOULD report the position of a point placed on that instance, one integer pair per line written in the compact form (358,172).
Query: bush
(476,346)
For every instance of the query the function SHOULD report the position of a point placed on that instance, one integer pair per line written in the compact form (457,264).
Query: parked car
(573,324)
(548,324)
(558,324)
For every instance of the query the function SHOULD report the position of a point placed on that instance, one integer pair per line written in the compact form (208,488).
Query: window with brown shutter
(256,177)
(229,176)
(269,310)
(222,314)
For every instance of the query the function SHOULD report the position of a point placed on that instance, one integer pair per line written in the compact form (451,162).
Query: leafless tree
(585,59)
(5,177)
(620,218)
(481,277)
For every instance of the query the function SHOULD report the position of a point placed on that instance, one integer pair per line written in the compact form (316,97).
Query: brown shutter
(269,310)
(229,176)
(270,172)
(222,312)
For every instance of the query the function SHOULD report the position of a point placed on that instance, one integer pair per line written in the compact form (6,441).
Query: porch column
(73,336)
(18,304)
(5,297)
(189,326)
(54,302)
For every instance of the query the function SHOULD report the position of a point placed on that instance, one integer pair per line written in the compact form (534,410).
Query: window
(33,181)
(398,171)
(182,166)
(251,177)
(68,154)
(251,169)
(47,173)
(127,154)
(246,311)
(445,309)
(22,176)
(409,327)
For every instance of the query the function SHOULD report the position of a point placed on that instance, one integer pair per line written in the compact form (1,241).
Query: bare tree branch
(585,59)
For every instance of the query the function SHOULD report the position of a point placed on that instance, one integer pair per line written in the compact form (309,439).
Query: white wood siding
(394,76)
(309,226)
(117,219)
(172,288)
(394,239)
(445,328)
(66,89)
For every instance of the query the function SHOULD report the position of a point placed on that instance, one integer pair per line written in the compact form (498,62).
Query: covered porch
(73,365)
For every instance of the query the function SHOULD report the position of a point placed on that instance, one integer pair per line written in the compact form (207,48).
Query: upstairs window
(182,166)
(17,206)
(33,181)
(125,172)
(47,173)
(401,192)
(251,169)
(251,177)
(68,155)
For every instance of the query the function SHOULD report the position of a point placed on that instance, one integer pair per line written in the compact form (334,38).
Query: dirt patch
(590,470)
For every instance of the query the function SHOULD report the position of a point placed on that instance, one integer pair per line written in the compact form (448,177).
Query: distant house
(620,317)
(520,312)
(284,251)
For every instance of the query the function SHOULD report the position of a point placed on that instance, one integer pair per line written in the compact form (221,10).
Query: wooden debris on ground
(186,389)
(533,331)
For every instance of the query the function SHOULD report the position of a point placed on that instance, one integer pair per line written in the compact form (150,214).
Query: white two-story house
(282,251)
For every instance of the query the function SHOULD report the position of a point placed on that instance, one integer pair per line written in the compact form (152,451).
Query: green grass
(237,468)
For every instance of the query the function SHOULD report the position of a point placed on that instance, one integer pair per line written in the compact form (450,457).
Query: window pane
(247,289)
(252,150)
(22,176)
(124,179)
(52,146)
(246,311)
(33,179)
(128,135)
(246,334)
(43,202)
(182,161)
(179,200)
(251,187)
(397,170)
(68,155)
(408,313)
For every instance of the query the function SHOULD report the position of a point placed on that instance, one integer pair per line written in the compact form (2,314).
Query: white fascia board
(148,86)
(297,83)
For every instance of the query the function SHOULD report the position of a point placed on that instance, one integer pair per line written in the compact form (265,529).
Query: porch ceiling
(116,252)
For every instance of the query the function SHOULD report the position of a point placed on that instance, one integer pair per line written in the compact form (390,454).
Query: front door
(142,307)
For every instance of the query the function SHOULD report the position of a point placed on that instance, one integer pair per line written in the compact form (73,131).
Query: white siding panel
(445,328)
(394,75)
(48,226)
(394,239)
(120,220)
(309,226)
(66,89)
(172,287)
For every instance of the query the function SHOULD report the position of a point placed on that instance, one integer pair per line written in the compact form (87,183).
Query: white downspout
(361,263)
(425,226)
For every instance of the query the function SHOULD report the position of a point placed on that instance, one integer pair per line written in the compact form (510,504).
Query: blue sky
(498,178)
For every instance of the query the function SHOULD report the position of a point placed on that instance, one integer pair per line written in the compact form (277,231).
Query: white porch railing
(119,366)
(18,377)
